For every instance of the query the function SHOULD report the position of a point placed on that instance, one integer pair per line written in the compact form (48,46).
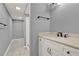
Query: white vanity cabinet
(48,47)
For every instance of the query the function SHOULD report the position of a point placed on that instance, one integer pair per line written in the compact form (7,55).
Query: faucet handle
(59,34)
(65,35)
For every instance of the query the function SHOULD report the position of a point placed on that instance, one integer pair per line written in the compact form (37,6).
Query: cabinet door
(56,48)
(51,48)
(71,51)
(44,48)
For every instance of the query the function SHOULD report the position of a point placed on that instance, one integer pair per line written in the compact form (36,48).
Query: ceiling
(15,13)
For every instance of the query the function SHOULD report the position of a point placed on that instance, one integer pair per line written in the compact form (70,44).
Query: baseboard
(8,48)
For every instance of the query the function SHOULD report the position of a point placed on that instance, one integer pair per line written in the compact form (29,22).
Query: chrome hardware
(68,52)
(59,34)
(65,35)
(49,51)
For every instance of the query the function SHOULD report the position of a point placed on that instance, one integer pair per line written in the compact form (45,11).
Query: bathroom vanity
(51,45)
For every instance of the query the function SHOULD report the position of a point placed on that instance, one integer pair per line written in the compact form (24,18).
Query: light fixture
(54,4)
(59,3)
(18,8)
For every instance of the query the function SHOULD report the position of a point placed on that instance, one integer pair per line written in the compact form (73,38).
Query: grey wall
(18,29)
(5,33)
(37,25)
(65,18)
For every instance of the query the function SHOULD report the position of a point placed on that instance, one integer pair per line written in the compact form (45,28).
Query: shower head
(52,5)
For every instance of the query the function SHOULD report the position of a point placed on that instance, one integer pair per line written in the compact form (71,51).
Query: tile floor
(17,48)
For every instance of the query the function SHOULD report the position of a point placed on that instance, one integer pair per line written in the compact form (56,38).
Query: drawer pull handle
(68,52)
(49,51)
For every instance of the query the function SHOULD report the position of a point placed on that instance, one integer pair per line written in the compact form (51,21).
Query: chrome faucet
(65,35)
(59,34)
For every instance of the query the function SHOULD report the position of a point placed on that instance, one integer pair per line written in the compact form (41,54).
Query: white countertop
(72,40)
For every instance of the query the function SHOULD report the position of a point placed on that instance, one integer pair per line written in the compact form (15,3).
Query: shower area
(16,47)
